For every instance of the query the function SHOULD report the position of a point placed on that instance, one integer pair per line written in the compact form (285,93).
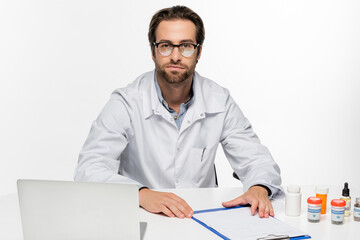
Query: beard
(175,76)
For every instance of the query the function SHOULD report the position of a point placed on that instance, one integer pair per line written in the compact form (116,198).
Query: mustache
(175,64)
(172,63)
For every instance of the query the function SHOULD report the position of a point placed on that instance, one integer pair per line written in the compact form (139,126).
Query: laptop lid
(60,210)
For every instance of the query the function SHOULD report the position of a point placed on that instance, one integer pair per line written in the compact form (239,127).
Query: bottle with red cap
(337,211)
(314,209)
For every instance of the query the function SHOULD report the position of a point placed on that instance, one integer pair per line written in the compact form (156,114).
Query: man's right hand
(163,202)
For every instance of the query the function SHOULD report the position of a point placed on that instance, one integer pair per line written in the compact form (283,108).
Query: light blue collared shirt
(183,107)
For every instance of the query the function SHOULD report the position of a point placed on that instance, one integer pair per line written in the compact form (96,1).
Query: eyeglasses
(186,49)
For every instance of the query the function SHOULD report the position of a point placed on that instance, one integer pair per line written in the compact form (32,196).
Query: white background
(292,66)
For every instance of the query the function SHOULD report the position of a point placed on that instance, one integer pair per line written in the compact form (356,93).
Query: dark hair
(176,12)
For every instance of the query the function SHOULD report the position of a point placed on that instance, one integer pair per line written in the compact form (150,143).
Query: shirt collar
(164,102)
(204,101)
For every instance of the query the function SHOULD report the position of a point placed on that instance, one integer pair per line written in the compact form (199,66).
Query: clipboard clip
(274,237)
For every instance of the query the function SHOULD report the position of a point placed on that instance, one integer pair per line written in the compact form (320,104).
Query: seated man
(163,130)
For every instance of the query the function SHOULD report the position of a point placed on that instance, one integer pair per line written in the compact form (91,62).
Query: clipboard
(197,217)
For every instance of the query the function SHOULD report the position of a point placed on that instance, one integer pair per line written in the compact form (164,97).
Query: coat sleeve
(250,160)
(99,159)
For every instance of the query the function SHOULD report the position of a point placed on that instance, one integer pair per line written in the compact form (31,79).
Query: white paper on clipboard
(239,223)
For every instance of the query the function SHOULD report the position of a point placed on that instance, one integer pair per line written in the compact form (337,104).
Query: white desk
(159,227)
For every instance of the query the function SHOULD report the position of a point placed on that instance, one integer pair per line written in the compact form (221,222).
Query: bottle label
(337,214)
(314,212)
(347,207)
(357,212)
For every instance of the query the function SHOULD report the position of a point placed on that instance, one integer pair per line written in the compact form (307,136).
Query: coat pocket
(202,164)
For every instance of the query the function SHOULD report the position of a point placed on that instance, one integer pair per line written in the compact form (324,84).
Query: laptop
(59,210)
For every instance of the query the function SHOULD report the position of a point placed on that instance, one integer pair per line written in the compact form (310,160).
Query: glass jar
(357,209)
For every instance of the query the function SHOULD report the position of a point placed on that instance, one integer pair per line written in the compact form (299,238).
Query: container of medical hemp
(337,211)
(357,209)
(314,209)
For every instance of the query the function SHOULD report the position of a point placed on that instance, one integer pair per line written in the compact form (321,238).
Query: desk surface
(160,227)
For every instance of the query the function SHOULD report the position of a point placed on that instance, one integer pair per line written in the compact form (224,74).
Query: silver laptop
(58,210)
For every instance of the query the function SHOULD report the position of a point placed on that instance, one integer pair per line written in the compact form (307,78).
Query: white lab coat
(135,140)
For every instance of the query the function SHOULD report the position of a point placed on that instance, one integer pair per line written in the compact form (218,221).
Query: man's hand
(257,197)
(163,202)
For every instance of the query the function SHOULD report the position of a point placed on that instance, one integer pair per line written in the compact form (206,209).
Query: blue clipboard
(224,209)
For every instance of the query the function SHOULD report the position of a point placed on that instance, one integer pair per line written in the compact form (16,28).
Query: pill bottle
(314,208)
(293,200)
(322,192)
(357,209)
(337,211)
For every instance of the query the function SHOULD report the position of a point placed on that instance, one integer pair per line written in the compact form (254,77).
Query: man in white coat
(162,130)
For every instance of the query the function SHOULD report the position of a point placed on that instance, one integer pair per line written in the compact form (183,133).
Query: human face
(176,68)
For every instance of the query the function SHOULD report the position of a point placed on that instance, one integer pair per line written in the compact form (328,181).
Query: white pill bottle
(293,200)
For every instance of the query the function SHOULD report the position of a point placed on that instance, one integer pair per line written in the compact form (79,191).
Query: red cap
(314,200)
(338,203)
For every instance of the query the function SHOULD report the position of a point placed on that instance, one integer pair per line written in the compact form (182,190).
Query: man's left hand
(257,197)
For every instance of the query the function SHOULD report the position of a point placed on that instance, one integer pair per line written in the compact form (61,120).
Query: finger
(173,205)
(272,213)
(166,211)
(182,206)
(254,206)
(266,212)
(237,201)
(176,211)
(261,207)
(186,210)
